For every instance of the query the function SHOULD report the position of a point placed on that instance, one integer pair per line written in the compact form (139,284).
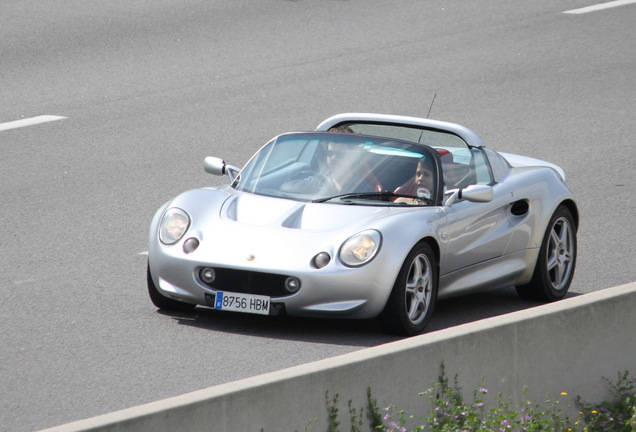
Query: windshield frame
(266,166)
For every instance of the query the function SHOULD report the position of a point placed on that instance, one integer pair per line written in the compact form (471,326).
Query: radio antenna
(432,102)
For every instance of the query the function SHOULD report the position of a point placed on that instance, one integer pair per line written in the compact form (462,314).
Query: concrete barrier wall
(566,346)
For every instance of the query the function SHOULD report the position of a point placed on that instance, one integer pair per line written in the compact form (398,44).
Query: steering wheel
(306,174)
(306,181)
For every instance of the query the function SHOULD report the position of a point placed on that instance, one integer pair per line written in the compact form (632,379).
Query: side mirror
(217,166)
(473,193)
(214,165)
(478,193)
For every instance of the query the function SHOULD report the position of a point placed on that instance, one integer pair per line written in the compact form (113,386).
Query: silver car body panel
(489,245)
(481,246)
(521,161)
(289,235)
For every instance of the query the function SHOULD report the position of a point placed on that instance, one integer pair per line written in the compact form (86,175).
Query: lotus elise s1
(367,216)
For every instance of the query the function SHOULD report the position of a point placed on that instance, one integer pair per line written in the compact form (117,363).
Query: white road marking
(29,122)
(600,6)
(143,253)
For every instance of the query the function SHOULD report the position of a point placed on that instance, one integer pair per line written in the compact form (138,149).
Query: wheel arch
(397,315)
(571,205)
(546,214)
(432,242)
(541,284)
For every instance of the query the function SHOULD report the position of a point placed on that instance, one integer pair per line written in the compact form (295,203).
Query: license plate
(248,303)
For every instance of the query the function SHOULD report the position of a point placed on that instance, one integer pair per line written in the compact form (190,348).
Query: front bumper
(333,291)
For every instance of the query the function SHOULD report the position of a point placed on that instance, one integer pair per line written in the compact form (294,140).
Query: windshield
(343,168)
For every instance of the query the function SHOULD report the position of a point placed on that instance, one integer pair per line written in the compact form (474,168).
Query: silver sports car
(367,216)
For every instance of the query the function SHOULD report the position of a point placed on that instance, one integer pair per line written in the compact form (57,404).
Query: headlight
(174,224)
(360,248)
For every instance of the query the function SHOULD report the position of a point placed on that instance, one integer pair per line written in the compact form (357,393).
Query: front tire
(163,302)
(557,260)
(414,293)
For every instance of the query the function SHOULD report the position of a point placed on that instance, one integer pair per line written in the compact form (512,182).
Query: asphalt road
(149,88)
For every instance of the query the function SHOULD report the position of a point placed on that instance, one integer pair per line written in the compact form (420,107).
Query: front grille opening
(248,282)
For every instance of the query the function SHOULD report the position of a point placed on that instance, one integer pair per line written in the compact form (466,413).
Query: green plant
(618,413)
(450,412)
(332,413)
(373,412)
(357,418)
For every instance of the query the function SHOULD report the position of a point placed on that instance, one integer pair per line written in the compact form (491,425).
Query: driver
(341,168)
(341,160)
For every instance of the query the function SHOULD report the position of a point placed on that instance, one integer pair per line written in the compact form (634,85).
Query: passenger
(420,187)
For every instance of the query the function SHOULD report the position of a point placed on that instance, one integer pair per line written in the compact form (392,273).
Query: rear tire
(414,293)
(163,302)
(555,266)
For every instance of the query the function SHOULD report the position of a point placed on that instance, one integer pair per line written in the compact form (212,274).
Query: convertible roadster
(367,216)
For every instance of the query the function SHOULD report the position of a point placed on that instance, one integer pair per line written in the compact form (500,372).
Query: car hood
(257,232)
(255,210)
(234,225)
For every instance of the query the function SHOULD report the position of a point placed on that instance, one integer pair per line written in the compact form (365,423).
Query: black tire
(163,302)
(555,266)
(414,293)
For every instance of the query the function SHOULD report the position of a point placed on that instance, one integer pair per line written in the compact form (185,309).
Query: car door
(476,232)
